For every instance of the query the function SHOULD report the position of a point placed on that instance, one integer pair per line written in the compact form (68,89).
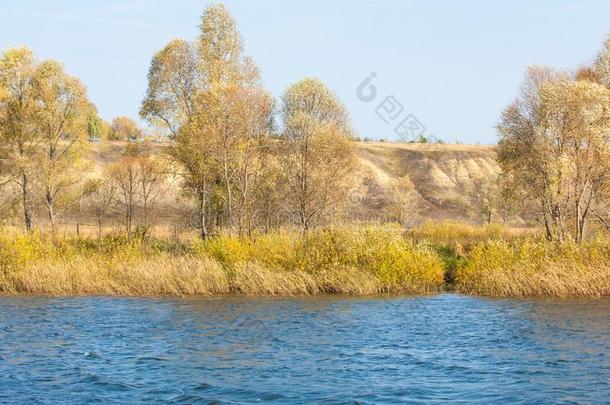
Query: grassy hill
(439,173)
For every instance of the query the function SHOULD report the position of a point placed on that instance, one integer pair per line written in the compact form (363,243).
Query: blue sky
(454,65)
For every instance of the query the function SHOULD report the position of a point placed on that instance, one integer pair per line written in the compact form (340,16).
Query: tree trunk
(129,213)
(203,227)
(128,221)
(547,227)
(51,213)
(80,206)
(27,213)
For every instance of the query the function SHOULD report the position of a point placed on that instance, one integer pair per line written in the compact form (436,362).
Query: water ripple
(325,349)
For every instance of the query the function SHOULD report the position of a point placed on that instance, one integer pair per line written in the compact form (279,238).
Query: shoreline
(305,296)
(346,262)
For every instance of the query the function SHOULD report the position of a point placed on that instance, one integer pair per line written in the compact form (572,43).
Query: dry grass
(535,268)
(351,262)
(161,276)
(465,234)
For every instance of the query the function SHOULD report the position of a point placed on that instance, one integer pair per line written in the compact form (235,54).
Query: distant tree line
(239,169)
(242,172)
(246,162)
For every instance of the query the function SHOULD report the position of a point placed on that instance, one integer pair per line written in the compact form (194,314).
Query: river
(436,348)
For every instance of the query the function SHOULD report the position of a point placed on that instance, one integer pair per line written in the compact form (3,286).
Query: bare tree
(402,202)
(126,177)
(101,193)
(152,175)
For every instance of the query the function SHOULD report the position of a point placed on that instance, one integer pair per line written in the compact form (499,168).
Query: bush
(356,261)
(344,261)
(398,265)
(464,234)
(536,268)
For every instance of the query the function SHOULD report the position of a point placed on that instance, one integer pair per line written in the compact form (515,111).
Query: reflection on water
(438,348)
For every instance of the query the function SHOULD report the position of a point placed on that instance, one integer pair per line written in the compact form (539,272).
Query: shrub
(536,268)
(397,264)
(455,232)
(343,261)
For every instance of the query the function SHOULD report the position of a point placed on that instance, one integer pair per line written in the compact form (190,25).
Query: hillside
(440,173)
(439,177)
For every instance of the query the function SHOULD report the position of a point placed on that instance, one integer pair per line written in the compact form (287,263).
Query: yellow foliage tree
(43,121)
(20,136)
(210,98)
(61,114)
(317,151)
(554,148)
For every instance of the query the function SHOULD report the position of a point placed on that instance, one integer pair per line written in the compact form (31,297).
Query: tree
(94,124)
(123,129)
(174,79)
(174,82)
(270,191)
(508,201)
(402,201)
(313,98)
(318,154)
(61,114)
(152,175)
(520,152)
(237,124)
(125,176)
(83,189)
(554,149)
(256,117)
(236,111)
(602,64)
(220,49)
(198,171)
(577,121)
(483,196)
(101,193)
(18,129)
(210,98)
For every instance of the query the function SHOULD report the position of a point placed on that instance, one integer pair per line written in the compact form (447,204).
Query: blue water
(334,350)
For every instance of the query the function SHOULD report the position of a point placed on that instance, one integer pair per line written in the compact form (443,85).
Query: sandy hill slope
(439,176)
(440,173)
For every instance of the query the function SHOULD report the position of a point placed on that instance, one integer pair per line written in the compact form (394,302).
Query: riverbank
(365,260)
(352,262)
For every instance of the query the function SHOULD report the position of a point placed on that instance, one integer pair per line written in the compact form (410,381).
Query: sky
(452,65)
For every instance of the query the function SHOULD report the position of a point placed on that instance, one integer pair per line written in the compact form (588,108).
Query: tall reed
(365,261)
(536,268)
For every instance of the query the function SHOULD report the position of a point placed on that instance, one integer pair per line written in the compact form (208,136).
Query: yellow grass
(536,268)
(163,275)
(362,260)
(465,234)
(351,262)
